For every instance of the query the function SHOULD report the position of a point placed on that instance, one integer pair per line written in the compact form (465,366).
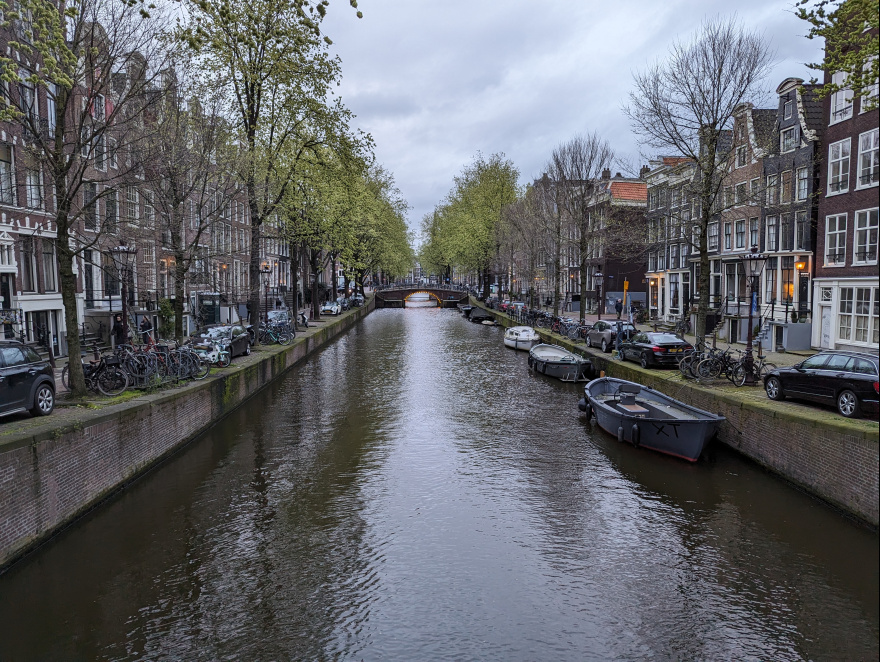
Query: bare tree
(577,166)
(686,105)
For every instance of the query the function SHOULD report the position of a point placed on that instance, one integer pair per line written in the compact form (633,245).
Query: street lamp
(124,256)
(598,277)
(266,269)
(753,262)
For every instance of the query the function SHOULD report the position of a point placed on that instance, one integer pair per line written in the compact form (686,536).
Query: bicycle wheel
(284,338)
(112,381)
(764,368)
(224,360)
(684,367)
(203,368)
(739,375)
(705,368)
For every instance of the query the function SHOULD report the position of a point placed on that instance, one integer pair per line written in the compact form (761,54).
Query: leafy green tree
(94,62)
(850,30)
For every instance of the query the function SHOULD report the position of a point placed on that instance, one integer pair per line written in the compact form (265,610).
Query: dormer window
(741,156)
(788,109)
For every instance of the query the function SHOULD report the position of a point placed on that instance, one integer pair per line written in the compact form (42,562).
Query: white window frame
(835,227)
(787,109)
(742,156)
(871,91)
(866,231)
(841,101)
(34,194)
(771,236)
(788,139)
(739,233)
(802,188)
(868,165)
(839,162)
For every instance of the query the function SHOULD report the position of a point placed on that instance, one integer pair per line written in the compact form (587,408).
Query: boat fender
(589,411)
(620,435)
(582,404)
(636,435)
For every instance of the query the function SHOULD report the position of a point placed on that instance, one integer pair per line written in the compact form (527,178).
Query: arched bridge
(397,295)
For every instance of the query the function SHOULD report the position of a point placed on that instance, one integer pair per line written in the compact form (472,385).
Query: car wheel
(44,401)
(644,361)
(604,345)
(848,404)
(774,389)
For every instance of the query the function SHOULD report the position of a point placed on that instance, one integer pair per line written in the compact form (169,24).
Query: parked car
(278,316)
(846,380)
(236,335)
(357,300)
(654,349)
(604,333)
(27,382)
(344,303)
(331,308)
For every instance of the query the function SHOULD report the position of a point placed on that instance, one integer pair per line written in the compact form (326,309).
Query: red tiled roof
(629,190)
(674,160)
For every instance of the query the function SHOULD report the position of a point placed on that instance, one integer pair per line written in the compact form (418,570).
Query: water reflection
(413,493)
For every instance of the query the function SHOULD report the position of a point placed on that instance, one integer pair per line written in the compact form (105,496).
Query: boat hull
(521,344)
(566,367)
(654,420)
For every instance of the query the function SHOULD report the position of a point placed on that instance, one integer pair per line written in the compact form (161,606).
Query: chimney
(606,173)
(644,172)
(618,176)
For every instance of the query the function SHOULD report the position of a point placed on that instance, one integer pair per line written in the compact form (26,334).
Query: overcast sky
(436,81)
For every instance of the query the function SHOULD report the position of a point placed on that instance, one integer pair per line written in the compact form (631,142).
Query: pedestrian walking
(618,306)
(146,327)
(119,332)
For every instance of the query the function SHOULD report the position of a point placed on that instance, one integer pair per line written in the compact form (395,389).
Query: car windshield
(664,337)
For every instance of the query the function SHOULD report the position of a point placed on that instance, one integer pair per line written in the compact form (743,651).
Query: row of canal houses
(117,207)
(801,187)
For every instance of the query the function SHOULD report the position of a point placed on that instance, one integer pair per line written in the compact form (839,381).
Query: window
(652,262)
(728,236)
(802,184)
(149,210)
(741,156)
(770,280)
(787,109)
(90,206)
(34,189)
(803,232)
(100,152)
(869,164)
(789,139)
(841,101)
(674,292)
(741,197)
(753,190)
(772,189)
(7,176)
(728,196)
(27,97)
(98,108)
(866,236)
(785,191)
(855,320)
(838,167)
(741,234)
(835,240)
(753,232)
(28,265)
(49,281)
(787,279)
(111,153)
(111,205)
(51,91)
(771,233)
(131,204)
(673,256)
(870,96)
(785,233)
(713,236)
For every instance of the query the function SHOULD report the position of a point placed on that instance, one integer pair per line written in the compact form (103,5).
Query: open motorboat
(558,362)
(465,309)
(521,337)
(479,316)
(645,417)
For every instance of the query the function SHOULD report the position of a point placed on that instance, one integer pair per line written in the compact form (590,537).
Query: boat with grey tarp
(644,417)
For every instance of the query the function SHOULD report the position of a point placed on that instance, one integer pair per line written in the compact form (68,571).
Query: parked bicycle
(102,375)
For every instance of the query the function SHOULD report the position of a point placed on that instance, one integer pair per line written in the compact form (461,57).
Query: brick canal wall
(833,458)
(66,464)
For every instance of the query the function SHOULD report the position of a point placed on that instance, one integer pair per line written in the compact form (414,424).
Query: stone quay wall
(57,470)
(831,457)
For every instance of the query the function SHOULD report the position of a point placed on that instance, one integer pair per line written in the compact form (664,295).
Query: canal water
(411,492)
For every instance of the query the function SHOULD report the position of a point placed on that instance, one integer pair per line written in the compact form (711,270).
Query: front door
(825,340)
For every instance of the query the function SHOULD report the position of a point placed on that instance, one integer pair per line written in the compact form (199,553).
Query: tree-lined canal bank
(412,492)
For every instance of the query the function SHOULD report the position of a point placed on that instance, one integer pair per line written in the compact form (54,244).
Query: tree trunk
(254,275)
(76,379)
(294,281)
(179,280)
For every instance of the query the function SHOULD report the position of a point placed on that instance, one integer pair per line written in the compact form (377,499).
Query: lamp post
(266,269)
(124,256)
(754,264)
(598,276)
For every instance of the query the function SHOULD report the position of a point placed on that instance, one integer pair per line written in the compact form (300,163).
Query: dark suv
(27,382)
(848,380)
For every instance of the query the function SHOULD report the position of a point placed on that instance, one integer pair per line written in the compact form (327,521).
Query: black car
(847,380)
(27,382)
(654,349)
